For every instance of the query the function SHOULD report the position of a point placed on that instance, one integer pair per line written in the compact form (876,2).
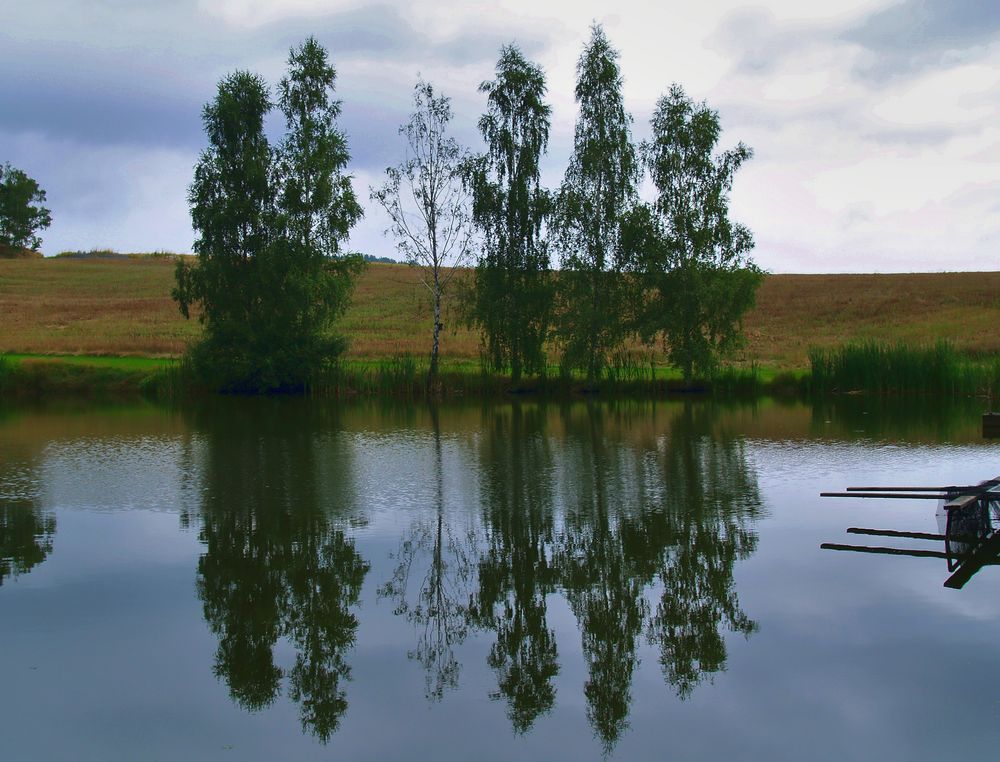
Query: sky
(875,124)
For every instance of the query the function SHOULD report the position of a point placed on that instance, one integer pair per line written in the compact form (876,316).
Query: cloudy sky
(875,123)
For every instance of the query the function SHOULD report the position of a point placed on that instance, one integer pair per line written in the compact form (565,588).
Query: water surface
(263,579)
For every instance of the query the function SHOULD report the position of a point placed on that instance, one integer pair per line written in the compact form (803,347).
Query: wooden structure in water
(968,517)
(991,425)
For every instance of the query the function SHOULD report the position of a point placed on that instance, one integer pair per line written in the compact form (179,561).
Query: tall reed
(879,367)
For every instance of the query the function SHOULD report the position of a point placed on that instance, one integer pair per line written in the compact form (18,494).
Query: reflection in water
(515,573)
(710,502)
(440,563)
(600,558)
(276,564)
(638,522)
(671,513)
(25,536)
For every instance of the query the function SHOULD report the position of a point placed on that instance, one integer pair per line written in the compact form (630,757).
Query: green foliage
(271,276)
(21,212)
(512,295)
(693,261)
(598,189)
(879,367)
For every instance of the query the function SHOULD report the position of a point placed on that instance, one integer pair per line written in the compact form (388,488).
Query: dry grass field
(123,307)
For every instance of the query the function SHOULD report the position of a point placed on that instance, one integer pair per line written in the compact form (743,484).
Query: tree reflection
(598,569)
(637,518)
(25,537)
(709,504)
(441,563)
(276,564)
(515,573)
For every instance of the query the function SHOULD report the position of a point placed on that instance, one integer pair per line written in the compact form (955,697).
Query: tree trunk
(432,376)
(437,334)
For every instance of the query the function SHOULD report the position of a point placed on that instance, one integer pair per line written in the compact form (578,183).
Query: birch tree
(512,298)
(428,203)
(695,263)
(598,189)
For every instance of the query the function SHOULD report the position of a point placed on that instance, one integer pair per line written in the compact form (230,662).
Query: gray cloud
(904,39)
(140,76)
(759,43)
(917,33)
(907,39)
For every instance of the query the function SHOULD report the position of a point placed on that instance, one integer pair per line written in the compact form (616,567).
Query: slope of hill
(123,307)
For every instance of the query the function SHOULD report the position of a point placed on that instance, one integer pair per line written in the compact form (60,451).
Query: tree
(513,292)
(271,276)
(427,201)
(21,212)
(695,262)
(232,209)
(598,189)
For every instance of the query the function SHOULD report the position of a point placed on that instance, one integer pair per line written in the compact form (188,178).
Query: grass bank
(872,368)
(26,376)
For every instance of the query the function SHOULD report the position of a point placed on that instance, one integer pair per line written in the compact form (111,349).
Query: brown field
(123,307)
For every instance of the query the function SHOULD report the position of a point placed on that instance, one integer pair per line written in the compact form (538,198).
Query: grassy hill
(122,307)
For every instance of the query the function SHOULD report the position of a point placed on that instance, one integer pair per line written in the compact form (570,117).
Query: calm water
(290,580)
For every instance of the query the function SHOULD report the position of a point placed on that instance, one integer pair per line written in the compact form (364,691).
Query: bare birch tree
(427,202)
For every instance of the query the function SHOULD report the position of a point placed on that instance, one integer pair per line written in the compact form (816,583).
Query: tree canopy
(427,200)
(21,212)
(697,275)
(513,289)
(271,275)
(598,190)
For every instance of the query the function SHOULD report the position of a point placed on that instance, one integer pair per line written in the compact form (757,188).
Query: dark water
(290,580)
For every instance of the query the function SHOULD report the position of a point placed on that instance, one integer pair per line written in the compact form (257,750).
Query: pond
(294,579)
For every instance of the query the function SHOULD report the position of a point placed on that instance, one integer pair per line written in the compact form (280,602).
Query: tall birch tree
(512,296)
(597,191)
(428,203)
(696,267)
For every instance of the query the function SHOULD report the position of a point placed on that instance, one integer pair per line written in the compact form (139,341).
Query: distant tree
(427,201)
(597,191)
(271,276)
(512,295)
(21,212)
(694,261)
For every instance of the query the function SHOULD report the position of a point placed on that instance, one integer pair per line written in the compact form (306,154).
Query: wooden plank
(969,489)
(952,488)
(985,555)
(894,533)
(885,551)
(963,501)
(884,495)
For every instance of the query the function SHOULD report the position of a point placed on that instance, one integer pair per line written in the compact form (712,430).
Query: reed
(738,382)
(879,367)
